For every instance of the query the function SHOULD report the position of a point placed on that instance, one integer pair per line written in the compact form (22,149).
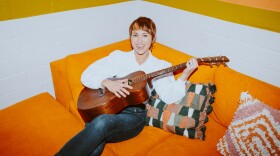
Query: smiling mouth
(140,46)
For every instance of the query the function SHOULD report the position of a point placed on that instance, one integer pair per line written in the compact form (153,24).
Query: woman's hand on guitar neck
(192,64)
(118,87)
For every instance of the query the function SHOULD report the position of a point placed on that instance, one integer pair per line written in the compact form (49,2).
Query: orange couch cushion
(36,126)
(230,84)
(139,145)
(154,141)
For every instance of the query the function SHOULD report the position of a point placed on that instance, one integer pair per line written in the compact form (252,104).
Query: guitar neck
(208,60)
(166,70)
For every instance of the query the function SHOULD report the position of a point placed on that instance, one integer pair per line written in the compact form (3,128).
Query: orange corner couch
(41,125)
(66,74)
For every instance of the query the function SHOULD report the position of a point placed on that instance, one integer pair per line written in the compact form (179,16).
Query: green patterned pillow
(186,117)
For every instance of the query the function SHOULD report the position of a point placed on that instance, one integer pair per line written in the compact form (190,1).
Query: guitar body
(92,103)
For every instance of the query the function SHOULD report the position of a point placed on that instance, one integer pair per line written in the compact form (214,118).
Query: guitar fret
(169,70)
(134,80)
(142,77)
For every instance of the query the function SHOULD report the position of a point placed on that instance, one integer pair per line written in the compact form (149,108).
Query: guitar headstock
(215,60)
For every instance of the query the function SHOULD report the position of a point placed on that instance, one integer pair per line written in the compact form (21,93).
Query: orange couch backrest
(230,84)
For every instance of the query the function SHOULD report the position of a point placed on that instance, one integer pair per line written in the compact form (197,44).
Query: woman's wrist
(184,76)
(104,83)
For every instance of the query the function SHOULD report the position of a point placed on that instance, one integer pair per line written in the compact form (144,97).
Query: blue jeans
(105,128)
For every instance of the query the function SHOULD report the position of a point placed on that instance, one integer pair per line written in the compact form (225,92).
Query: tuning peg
(224,63)
(209,58)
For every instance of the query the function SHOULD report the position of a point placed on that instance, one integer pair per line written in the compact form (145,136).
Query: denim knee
(99,123)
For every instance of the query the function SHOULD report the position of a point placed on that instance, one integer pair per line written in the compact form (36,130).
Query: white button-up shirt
(120,64)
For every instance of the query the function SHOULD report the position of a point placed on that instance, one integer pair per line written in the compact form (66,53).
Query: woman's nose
(139,39)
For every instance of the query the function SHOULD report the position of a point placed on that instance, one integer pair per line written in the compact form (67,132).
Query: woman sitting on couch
(131,120)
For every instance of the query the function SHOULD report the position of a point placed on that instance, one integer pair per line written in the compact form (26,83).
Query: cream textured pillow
(254,130)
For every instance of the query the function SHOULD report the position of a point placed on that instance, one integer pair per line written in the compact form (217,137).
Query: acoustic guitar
(94,102)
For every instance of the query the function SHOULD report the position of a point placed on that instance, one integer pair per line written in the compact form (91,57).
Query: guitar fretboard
(211,60)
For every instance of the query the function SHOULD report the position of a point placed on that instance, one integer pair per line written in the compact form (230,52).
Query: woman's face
(141,41)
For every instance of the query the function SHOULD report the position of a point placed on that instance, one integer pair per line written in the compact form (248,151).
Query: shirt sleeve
(169,89)
(100,70)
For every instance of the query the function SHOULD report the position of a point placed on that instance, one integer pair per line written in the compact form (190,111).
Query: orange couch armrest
(60,82)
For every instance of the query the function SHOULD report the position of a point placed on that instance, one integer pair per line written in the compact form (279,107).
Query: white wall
(28,45)
(252,51)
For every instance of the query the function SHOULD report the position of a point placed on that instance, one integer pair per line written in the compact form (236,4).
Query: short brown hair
(145,24)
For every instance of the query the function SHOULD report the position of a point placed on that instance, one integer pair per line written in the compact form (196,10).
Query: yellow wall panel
(63,5)
(12,9)
(264,19)
(25,8)
(4,9)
